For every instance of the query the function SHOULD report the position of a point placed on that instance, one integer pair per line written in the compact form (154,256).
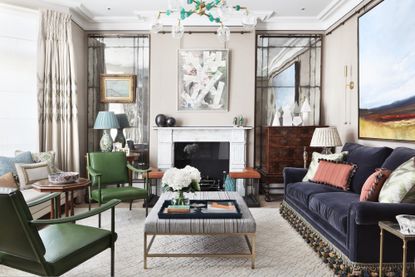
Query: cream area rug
(280,251)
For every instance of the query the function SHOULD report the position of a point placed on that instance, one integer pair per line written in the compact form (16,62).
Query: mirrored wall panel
(118,81)
(288,82)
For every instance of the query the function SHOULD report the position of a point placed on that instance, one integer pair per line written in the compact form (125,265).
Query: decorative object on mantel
(213,10)
(241,121)
(386,78)
(170,121)
(161,120)
(123,122)
(181,180)
(106,121)
(118,88)
(235,121)
(203,80)
(327,138)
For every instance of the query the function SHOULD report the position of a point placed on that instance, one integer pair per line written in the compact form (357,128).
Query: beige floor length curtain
(57,96)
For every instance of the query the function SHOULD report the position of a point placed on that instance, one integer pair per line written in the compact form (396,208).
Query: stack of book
(221,207)
(178,209)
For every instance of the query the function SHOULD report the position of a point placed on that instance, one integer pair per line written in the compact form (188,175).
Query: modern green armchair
(55,249)
(112,168)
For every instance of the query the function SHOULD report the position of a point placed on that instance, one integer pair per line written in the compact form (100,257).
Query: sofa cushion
(333,207)
(336,174)
(31,173)
(373,185)
(7,164)
(7,181)
(400,186)
(30,195)
(367,160)
(301,192)
(397,157)
(48,156)
(316,157)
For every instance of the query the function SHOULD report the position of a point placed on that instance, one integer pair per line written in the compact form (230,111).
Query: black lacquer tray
(201,212)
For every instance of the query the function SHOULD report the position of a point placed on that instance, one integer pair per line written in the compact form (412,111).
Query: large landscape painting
(387,71)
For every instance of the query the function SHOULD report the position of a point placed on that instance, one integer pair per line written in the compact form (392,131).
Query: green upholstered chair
(57,247)
(112,168)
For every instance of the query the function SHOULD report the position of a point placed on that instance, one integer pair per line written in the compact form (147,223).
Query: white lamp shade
(325,137)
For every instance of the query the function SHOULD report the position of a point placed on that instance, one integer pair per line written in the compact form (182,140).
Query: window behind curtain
(18,89)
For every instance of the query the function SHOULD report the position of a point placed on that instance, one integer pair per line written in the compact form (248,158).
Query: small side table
(252,175)
(394,229)
(154,176)
(68,189)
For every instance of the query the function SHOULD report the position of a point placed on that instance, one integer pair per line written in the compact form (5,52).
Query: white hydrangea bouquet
(181,180)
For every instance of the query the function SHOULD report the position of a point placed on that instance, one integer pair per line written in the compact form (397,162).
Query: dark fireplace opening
(211,158)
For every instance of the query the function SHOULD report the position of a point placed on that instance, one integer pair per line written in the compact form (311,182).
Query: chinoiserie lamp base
(106,142)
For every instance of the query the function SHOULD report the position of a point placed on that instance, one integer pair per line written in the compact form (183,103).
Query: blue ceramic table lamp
(106,121)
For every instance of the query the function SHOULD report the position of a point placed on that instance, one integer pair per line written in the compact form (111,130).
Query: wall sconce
(349,86)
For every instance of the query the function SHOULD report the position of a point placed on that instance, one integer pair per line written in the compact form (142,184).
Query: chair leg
(146,200)
(112,259)
(131,204)
(99,220)
(89,198)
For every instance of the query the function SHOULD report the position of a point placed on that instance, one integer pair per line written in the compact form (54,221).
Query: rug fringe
(331,255)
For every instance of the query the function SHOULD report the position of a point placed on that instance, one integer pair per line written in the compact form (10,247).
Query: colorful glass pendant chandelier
(215,10)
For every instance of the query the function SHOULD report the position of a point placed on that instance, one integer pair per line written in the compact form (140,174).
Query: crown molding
(142,20)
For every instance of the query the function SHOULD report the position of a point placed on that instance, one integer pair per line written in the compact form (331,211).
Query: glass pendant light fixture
(177,30)
(223,33)
(215,10)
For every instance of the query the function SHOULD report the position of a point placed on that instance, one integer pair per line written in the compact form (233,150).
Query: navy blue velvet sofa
(343,230)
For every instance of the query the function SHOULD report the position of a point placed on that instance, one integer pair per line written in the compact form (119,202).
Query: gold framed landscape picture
(118,88)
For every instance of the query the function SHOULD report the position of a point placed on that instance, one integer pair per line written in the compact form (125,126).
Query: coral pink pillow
(373,185)
(336,174)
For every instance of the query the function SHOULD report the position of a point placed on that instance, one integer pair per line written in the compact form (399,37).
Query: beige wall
(340,49)
(163,83)
(81,70)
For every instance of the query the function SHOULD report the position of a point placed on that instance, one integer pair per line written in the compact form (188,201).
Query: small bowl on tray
(406,223)
(64,177)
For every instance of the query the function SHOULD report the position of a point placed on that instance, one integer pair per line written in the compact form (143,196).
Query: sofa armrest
(369,213)
(293,174)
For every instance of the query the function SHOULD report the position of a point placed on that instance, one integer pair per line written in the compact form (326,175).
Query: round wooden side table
(68,189)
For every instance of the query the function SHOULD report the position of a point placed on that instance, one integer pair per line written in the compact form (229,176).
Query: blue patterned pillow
(7,163)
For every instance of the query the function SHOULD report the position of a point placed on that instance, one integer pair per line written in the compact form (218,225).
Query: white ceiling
(138,14)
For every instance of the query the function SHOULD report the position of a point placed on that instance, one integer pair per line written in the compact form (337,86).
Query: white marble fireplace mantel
(236,136)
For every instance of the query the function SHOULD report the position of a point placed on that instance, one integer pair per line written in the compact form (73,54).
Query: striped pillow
(336,174)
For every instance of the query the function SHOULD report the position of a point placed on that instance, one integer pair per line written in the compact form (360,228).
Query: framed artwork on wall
(203,81)
(117,88)
(387,72)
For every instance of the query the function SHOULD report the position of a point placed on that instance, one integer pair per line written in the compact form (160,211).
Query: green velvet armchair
(112,168)
(54,249)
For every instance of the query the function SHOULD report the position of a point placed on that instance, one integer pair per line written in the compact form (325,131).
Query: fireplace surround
(236,136)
